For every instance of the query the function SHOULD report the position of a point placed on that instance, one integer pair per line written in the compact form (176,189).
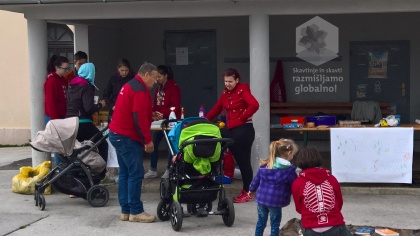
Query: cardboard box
(103,116)
(322,120)
(288,119)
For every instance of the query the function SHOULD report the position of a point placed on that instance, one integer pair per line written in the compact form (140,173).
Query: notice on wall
(372,155)
(181,56)
(378,65)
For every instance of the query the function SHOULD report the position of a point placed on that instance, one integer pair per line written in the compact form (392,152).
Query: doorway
(192,56)
(380,71)
(60,41)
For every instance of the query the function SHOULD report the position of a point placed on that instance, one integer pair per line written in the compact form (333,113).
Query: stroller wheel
(176,216)
(41,202)
(229,214)
(97,196)
(164,188)
(193,208)
(163,209)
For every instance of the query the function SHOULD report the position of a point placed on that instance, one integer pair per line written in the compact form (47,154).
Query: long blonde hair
(279,148)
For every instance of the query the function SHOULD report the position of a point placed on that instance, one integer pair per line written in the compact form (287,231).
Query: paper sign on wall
(181,56)
(372,155)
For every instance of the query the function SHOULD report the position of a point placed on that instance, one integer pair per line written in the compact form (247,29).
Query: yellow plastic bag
(24,182)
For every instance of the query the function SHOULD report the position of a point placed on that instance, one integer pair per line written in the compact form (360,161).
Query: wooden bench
(313,108)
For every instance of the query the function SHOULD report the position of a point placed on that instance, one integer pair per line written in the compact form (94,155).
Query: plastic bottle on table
(182,113)
(172,116)
(201,112)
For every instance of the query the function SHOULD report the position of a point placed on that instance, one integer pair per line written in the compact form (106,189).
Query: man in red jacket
(129,133)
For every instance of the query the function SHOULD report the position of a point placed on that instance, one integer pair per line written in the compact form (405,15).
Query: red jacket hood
(315,175)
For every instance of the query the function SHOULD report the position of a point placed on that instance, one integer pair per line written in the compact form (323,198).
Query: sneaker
(242,198)
(124,217)
(151,174)
(107,180)
(143,218)
(166,174)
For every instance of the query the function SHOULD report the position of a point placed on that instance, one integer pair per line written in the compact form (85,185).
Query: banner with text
(372,155)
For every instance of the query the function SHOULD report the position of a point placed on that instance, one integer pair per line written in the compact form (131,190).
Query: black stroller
(193,173)
(80,171)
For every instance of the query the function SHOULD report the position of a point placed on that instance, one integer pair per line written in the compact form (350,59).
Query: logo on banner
(317,41)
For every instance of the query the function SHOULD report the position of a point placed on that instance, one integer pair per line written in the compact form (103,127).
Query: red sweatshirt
(239,103)
(55,89)
(167,96)
(318,198)
(133,111)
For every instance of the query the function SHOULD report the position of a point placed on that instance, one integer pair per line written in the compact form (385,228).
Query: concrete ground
(394,207)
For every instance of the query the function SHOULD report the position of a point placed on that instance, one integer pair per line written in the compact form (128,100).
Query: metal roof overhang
(132,9)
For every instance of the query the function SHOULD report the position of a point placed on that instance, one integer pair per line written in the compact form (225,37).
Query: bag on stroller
(81,168)
(192,174)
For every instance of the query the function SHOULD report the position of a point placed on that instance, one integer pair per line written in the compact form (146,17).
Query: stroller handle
(165,123)
(227,141)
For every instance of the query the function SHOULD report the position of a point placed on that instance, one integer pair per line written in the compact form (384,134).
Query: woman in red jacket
(317,196)
(167,95)
(55,89)
(240,105)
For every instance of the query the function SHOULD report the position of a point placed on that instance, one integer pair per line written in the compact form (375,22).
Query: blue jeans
(275,219)
(130,176)
(157,137)
(57,159)
(340,230)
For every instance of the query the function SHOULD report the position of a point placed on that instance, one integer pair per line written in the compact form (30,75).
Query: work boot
(124,217)
(142,218)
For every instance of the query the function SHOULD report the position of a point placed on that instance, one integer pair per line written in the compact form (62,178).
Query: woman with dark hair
(240,105)
(167,95)
(55,89)
(115,83)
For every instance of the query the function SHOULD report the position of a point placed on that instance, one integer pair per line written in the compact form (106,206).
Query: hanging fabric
(277,86)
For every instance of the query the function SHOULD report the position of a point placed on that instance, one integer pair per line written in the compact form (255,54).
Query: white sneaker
(166,174)
(150,175)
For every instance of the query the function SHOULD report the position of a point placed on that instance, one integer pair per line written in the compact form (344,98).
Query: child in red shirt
(317,196)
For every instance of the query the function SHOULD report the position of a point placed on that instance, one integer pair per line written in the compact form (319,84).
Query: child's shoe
(242,198)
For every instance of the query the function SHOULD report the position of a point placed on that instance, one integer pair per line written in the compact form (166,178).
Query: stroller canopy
(201,155)
(59,136)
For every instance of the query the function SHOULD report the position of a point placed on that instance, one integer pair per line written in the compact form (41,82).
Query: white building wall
(14,77)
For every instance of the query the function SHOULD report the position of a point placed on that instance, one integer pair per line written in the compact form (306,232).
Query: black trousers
(243,136)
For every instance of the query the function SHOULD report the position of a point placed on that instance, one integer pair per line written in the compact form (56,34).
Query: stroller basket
(202,190)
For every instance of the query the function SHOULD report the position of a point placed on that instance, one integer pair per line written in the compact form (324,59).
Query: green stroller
(193,174)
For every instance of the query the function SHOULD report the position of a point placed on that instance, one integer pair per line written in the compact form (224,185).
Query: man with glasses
(129,133)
